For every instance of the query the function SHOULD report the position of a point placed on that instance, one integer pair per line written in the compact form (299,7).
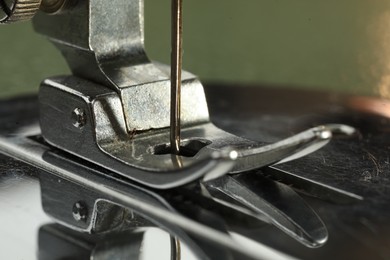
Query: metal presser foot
(105,142)
(115,109)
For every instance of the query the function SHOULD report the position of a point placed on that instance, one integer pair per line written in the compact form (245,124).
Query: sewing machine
(272,176)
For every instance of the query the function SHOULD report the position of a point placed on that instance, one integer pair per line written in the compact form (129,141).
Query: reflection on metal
(313,188)
(328,174)
(275,201)
(103,141)
(250,196)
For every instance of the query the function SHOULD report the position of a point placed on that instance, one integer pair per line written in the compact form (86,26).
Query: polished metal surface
(359,165)
(280,204)
(63,176)
(348,193)
(104,139)
(109,50)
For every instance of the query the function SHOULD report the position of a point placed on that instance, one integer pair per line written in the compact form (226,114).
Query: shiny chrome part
(252,155)
(60,174)
(331,173)
(312,188)
(246,193)
(142,157)
(275,201)
(304,143)
(109,51)
(341,129)
(125,103)
(286,150)
(104,140)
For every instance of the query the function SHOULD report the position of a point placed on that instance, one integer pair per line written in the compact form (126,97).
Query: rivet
(80,211)
(78,117)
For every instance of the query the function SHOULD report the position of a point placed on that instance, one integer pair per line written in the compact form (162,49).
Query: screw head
(80,211)
(79,117)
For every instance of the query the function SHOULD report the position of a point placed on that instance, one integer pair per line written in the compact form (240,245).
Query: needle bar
(176,65)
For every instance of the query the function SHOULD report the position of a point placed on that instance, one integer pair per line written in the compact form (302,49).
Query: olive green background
(334,44)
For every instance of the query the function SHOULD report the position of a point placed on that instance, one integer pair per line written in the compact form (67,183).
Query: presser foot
(93,127)
(115,110)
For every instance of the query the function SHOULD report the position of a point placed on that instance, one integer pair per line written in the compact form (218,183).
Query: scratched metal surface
(358,230)
(360,164)
(20,205)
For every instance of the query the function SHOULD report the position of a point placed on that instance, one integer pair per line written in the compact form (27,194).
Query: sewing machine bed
(358,222)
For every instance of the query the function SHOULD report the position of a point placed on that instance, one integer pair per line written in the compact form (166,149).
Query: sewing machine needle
(176,64)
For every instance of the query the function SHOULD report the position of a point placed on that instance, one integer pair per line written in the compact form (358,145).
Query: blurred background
(336,45)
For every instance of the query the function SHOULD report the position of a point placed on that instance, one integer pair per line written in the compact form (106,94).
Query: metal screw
(78,117)
(80,211)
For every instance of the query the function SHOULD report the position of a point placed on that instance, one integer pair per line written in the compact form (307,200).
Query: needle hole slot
(188,148)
